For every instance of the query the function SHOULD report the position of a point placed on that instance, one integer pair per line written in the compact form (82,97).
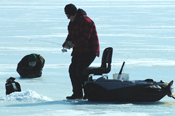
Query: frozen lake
(141,32)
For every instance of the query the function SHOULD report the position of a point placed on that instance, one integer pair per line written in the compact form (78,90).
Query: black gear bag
(12,86)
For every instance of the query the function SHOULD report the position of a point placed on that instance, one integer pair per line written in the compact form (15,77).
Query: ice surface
(141,33)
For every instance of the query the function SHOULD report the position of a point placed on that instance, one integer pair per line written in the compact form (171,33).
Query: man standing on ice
(82,37)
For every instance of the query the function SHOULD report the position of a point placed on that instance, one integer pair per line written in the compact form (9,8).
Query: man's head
(32,60)
(70,11)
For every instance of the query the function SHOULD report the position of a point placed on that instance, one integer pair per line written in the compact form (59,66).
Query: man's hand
(70,44)
(66,46)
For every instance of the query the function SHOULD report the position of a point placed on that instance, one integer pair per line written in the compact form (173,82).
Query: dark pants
(78,64)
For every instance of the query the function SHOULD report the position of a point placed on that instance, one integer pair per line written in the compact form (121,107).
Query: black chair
(105,64)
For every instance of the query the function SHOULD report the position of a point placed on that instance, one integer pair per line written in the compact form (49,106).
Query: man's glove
(70,44)
(66,46)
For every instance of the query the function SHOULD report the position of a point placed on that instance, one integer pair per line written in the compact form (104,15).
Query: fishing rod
(46,41)
(120,72)
(63,50)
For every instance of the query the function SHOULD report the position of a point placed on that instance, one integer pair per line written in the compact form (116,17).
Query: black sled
(104,89)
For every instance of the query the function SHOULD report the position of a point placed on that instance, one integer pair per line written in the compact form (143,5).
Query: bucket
(123,76)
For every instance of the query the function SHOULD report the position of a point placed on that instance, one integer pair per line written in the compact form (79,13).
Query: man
(83,38)
(31,66)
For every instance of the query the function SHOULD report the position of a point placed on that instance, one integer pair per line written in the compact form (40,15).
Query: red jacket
(83,34)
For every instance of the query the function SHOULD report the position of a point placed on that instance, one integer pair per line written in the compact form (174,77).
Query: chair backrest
(105,64)
(107,58)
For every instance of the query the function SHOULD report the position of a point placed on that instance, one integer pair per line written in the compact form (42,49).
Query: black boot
(74,96)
